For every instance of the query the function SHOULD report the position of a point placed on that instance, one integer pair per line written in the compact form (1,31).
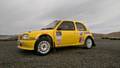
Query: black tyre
(89,43)
(43,46)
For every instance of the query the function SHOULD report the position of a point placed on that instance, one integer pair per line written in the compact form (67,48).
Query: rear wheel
(89,43)
(43,46)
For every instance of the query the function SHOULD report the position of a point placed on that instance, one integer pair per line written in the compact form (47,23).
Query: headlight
(25,36)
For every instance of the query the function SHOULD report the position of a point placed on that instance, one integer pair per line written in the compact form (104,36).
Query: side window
(80,26)
(66,25)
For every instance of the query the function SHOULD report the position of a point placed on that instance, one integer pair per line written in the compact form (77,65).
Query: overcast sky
(16,16)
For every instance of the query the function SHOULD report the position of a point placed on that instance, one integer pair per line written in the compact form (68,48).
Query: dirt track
(105,55)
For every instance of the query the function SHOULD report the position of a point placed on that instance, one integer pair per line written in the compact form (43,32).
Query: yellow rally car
(60,33)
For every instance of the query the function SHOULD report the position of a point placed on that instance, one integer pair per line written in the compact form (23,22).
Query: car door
(81,29)
(65,34)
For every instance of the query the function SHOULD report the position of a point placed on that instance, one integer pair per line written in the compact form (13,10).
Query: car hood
(37,31)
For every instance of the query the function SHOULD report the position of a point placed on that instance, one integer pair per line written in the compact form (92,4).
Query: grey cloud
(17,16)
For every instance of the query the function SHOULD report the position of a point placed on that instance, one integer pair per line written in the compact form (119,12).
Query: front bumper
(26,44)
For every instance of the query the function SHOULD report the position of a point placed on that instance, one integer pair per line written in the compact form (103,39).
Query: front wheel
(43,46)
(89,43)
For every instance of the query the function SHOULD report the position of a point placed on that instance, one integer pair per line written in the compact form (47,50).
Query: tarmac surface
(105,55)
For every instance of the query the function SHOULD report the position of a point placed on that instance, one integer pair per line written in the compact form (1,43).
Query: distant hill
(8,37)
(98,35)
(114,34)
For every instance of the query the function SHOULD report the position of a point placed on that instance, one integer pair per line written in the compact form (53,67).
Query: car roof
(76,21)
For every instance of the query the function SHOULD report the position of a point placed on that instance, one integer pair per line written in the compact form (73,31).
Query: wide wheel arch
(47,36)
(91,39)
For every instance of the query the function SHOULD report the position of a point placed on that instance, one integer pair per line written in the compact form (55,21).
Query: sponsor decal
(59,37)
(81,39)
(87,32)
(81,33)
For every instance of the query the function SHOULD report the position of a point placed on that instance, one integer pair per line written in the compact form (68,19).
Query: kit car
(59,33)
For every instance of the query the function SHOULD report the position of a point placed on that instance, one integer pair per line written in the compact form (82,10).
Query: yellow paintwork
(69,38)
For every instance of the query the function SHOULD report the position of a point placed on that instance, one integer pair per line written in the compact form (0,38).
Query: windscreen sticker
(59,37)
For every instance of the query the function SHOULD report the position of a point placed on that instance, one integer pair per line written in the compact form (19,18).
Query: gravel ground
(105,55)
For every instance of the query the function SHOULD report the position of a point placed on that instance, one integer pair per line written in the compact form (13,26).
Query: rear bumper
(26,44)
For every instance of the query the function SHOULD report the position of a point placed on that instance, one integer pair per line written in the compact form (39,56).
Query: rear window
(80,26)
